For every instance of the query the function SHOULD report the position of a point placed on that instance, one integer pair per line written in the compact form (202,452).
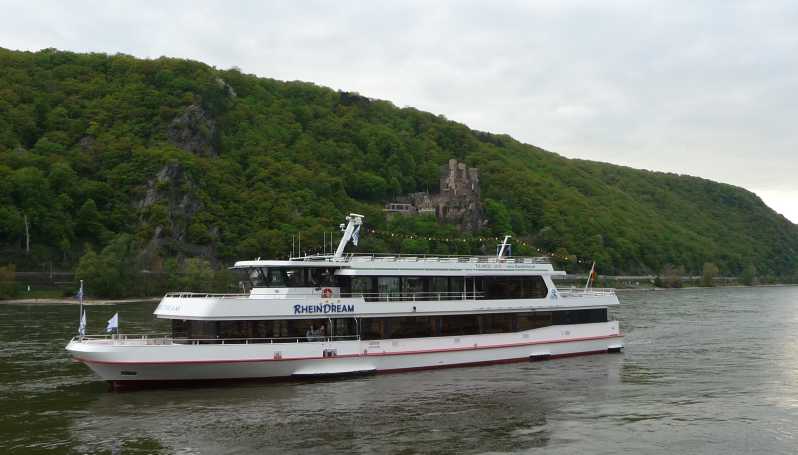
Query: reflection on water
(705,371)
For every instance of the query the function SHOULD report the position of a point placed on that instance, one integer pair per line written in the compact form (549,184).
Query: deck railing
(208,295)
(367,296)
(388,257)
(414,296)
(581,292)
(163,339)
(390,296)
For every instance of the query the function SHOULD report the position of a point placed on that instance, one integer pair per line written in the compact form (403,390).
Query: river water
(704,371)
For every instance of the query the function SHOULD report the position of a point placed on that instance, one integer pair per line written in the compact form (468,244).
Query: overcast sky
(702,88)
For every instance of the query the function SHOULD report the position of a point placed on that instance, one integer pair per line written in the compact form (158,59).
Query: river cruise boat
(344,314)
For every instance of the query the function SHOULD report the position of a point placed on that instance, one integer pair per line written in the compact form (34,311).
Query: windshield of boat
(286,277)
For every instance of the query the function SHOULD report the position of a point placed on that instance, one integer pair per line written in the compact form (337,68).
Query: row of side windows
(514,287)
(376,287)
(385,328)
(434,326)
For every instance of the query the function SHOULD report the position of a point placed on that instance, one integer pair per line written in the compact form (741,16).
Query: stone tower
(458,202)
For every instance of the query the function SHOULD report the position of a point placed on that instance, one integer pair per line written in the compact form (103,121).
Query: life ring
(326,293)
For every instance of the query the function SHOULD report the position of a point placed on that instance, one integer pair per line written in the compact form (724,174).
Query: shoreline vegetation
(90,302)
(67,301)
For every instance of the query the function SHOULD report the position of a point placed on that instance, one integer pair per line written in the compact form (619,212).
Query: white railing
(162,339)
(126,339)
(388,257)
(414,296)
(387,296)
(315,338)
(200,295)
(367,296)
(581,292)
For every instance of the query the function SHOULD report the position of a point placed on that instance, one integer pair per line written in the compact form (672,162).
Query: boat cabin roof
(399,262)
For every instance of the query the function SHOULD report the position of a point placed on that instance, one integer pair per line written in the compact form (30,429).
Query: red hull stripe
(426,351)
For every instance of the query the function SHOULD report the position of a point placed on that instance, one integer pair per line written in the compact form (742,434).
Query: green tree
(112,272)
(672,276)
(709,273)
(89,224)
(498,217)
(749,275)
(197,275)
(8,284)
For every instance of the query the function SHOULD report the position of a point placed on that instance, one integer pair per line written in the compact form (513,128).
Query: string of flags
(481,239)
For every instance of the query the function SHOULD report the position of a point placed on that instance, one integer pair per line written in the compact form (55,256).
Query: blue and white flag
(82,327)
(79,295)
(113,323)
(356,235)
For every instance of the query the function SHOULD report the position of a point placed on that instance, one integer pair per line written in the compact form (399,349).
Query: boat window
(295,278)
(440,284)
(179,328)
(344,327)
(275,278)
(280,277)
(388,287)
(535,287)
(457,284)
(255,277)
(529,321)
(409,327)
(372,328)
(362,285)
(497,323)
(460,325)
(512,287)
(323,277)
(504,288)
(412,285)
(579,316)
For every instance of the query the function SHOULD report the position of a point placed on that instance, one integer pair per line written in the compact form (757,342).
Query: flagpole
(81,326)
(80,316)
(590,275)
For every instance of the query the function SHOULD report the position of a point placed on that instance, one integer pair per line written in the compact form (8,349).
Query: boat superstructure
(350,314)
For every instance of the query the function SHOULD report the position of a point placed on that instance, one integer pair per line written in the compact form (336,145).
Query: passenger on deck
(322,332)
(311,333)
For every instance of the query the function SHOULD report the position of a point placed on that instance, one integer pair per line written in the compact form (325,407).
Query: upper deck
(357,264)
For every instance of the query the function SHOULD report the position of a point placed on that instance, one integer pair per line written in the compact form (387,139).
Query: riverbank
(732,286)
(72,301)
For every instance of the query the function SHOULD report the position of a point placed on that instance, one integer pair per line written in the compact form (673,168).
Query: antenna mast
(504,246)
(350,231)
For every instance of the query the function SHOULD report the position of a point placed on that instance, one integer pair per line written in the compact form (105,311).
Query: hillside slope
(174,158)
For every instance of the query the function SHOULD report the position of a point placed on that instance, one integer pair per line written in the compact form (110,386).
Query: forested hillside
(152,162)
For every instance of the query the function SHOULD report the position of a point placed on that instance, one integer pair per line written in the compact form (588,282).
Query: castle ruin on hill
(458,201)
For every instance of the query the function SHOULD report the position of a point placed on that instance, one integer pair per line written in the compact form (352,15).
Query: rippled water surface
(704,371)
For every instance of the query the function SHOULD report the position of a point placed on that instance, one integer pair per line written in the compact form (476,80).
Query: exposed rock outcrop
(169,205)
(194,131)
(230,92)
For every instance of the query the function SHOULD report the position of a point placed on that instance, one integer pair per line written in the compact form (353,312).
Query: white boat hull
(133,361)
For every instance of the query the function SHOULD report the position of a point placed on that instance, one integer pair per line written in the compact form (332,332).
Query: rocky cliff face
(170,201)
(194,131)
